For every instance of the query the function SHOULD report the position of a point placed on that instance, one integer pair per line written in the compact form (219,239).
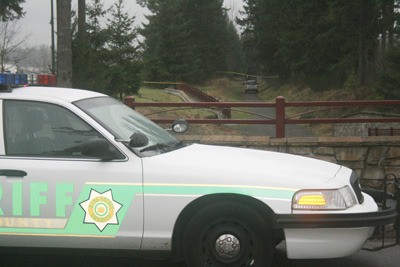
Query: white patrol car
(79,169)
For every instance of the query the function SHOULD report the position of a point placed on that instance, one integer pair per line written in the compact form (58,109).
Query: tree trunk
(362,61)
(64,44)
(81,20)
(391,21)
(384,23)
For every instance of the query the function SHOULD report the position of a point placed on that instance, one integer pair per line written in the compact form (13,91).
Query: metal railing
(280,105)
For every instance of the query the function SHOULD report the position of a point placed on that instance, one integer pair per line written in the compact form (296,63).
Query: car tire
(228,233)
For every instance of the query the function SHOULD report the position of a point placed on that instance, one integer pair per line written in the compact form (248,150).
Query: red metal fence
(196,93)
(280,106)
(386,132)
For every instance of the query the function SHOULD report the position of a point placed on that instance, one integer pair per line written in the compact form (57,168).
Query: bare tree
(40,59)
(64,44)
(12,44)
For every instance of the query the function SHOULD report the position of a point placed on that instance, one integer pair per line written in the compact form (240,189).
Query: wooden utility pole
(64,44)
(53,47)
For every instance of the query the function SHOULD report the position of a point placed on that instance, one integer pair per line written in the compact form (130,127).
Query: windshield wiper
(180,144)
(157,146)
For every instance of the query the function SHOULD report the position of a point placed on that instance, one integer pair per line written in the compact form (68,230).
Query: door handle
(13,173)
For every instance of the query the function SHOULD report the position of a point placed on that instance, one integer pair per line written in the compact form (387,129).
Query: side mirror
(180,126)
(98,148)
(138,139)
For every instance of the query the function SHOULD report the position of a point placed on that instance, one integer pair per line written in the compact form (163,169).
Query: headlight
(331,199)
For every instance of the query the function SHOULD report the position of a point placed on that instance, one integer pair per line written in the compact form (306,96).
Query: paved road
(388,258)
(269,130)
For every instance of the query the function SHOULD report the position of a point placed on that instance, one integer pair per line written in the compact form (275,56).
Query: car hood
(205,165)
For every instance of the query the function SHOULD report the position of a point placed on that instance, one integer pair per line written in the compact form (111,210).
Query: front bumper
(322,235)
(337,220)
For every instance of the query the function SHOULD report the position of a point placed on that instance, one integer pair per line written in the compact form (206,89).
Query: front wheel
(228,234)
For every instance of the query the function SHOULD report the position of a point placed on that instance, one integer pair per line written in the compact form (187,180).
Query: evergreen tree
(108,61)
(389,78)
(89,66)
(234,53)
(187,40)
(162,43)
(11,9)
(123,58)
(313,41)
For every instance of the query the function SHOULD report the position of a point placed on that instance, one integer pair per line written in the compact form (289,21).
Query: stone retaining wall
(371,157)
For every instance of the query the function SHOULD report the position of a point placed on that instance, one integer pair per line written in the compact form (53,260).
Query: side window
(44,130)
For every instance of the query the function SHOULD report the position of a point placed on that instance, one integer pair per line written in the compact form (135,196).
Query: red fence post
(226,113)
(280,117)
(130,101)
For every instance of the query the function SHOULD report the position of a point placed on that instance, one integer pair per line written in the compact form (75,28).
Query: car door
(52,195)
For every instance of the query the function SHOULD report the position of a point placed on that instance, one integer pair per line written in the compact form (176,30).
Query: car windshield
(123,122)
(251,82)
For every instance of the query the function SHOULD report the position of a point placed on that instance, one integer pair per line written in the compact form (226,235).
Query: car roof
(64,94)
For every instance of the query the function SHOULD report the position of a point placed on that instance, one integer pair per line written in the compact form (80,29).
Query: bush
(352,83)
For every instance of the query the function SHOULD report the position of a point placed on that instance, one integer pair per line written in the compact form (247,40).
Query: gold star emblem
(101,209)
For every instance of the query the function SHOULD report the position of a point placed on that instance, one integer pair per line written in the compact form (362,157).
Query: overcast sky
(36,22)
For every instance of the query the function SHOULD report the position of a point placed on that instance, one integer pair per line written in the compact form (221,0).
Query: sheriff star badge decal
(101,209)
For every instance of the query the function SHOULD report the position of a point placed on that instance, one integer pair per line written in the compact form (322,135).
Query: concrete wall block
(391,162)
(351,153)
(394,152)
(354,165)
(393,170)
(300,150)
(302,141)
(323,150)
(373,172)
(258,148)
(376,154)
(324,158)
(272,149)
(282,149)
(370,183)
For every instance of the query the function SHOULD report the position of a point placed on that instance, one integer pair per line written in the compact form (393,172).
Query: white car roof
(64,94)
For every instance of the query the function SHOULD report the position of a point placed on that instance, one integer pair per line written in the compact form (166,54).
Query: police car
(79,169)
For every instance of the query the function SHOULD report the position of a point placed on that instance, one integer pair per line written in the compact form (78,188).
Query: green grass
(155,95)
(158,95)
(224,90)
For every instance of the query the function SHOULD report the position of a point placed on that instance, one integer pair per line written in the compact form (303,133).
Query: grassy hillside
(226,90)
(162,95)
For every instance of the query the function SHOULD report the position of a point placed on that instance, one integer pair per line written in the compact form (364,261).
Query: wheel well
(188,212)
